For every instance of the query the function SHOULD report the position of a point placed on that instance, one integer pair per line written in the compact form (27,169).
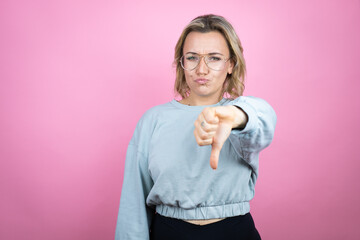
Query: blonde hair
(234,82)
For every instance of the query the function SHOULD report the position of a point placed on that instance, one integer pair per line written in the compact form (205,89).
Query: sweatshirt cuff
(251,114)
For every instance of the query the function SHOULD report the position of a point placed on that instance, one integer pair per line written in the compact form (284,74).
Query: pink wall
(75,76)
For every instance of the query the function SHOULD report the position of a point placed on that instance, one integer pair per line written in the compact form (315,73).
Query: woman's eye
(192,58)
(214,59)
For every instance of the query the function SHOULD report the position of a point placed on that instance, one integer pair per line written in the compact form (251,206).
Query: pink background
(75,77)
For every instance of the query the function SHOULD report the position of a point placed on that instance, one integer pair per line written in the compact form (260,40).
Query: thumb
(219,139)
(215,151)
(214,157)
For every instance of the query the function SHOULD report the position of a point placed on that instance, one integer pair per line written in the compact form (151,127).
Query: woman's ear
(231,66)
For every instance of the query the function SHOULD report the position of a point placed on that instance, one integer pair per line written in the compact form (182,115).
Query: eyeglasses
(215,62)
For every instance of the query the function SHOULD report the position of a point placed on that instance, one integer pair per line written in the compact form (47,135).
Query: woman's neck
(199,101)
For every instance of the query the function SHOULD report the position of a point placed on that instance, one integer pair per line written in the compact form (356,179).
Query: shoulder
(247,99)
(152,116)
(148,122)
(155,112)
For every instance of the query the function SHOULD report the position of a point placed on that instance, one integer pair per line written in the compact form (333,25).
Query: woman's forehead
(205,43)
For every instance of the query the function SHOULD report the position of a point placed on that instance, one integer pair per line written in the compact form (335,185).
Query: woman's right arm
(134,216)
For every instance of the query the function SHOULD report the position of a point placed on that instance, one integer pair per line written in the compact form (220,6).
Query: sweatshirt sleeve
(258,132)
(134,217)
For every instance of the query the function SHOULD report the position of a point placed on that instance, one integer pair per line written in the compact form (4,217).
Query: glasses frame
(202,56)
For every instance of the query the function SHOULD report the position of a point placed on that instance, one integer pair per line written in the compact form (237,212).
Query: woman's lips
(202,80)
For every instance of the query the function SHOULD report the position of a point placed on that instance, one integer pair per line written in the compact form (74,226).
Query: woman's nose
(202,67)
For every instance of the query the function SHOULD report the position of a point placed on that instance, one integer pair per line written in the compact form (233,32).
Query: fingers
(205,127)
(209,115)
(204,132)
(209,130)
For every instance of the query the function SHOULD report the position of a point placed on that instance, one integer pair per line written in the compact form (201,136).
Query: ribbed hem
(221,211)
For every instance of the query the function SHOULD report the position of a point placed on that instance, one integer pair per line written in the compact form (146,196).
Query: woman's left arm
(248,122)
(258,132)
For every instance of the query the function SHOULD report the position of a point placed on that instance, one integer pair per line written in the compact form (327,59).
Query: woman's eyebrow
(212,53)
(215,53)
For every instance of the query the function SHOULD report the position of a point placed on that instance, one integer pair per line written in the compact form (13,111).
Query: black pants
(232,228)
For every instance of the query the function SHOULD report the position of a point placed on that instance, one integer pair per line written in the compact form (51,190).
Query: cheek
(221,76)
(188,76)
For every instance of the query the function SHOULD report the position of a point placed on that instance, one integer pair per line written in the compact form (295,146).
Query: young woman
(191,165)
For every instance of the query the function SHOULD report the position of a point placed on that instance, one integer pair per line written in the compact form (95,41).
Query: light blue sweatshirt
(168,172)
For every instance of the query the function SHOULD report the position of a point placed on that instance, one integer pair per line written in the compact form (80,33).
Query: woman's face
(205,83)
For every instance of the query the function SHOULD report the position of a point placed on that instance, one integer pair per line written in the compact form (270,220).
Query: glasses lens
(190,61)
(215,62)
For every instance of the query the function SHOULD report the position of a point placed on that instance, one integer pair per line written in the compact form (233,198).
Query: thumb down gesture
(213,127)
